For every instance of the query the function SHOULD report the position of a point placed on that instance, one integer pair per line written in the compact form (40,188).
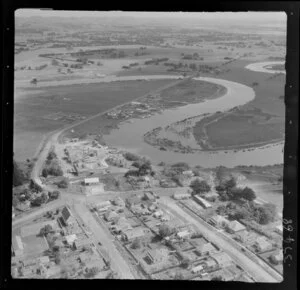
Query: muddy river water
(129,136)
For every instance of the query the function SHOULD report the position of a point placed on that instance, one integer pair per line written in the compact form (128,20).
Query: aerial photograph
(148,145)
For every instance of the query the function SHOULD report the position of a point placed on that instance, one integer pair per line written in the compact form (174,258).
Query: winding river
(129,136)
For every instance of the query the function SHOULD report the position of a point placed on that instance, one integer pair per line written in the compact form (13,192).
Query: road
(254,269)
(117,261)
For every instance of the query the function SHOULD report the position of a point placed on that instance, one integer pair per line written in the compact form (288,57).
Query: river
(129,136)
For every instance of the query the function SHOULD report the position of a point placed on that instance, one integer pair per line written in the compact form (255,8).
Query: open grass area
(35,114)
(259,121)
(192,91)
(242,129)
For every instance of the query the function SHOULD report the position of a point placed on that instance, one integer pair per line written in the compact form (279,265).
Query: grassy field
(249,123)
(192,91)
(248,128)
(84,100)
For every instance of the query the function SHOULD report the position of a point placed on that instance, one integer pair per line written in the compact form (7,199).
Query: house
(111,216)
(24,206)
(218,221)
(70,239)
(134,233)
(202,201)
(188,173)
(222,259)
(262,244)
(210,264)
(165,218)
(148,195)
(206,248)
(197,269)
(133,200)
(184,234)
(277,258)
(155,256)
(246,237)
(118,201)
(235,227)
(43,260)
(91,181)
(103,204)
(67,216)
(158,213)
(80,243)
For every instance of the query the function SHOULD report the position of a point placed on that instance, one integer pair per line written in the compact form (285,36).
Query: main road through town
(256,270)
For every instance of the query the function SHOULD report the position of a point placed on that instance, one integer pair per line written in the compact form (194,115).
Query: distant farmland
(35,114)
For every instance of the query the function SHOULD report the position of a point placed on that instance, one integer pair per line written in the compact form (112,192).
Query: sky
(280,16)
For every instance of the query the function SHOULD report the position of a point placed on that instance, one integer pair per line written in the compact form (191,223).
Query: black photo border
(290,152)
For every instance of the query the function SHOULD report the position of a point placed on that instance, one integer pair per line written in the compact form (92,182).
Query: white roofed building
(91,181)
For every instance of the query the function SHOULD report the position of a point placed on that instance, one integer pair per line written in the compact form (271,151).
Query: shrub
(64,183)
(130,156)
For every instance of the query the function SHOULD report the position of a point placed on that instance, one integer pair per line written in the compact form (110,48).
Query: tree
(130,156)
(18,175)
(54,194)
(165,230)
(265,214)
(34,186)
(229,184)
(221,210)
(45,172)
(46,230)
(200,186)
(136,244)
(52,155)
(44,197)
(64,183)
(37,201)
(248,194)
(185,263)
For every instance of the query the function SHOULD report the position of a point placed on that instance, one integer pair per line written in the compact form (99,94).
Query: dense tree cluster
(19,177)
(200,186)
